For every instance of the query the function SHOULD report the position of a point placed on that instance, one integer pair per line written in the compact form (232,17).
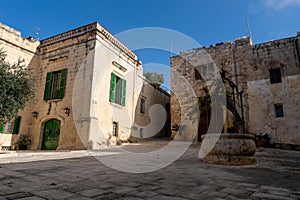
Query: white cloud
(281,4)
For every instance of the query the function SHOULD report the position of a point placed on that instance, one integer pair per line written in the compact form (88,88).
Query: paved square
(75,175)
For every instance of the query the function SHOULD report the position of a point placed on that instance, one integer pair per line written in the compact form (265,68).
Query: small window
(17,124)
(117,90)
(2,129)
(143,105)
(279,110)
(275,75)
(197,74)
(12,126)
(115,129)
(55,85)
(7,127)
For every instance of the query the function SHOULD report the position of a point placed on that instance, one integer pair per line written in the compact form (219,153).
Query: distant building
(267,73)
(85,76)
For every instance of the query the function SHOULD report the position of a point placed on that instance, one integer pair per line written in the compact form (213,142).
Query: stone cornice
(115,41)
(101,31)
(69,34)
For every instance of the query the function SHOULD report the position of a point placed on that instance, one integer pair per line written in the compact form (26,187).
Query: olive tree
(16,88)
(154,78)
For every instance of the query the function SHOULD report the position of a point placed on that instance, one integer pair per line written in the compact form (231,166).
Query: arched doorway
(51,134)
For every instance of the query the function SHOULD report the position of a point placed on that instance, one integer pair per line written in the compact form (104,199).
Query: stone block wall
(153,96)
(18,48)
(248,66)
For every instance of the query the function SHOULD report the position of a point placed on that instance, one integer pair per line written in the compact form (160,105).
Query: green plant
(155,78)
(16,88)
(231,130)
(262,140)
(24,141)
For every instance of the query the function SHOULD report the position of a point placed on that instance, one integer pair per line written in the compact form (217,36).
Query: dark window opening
(143,105)
(118,90)
(55,85)
(279,110)
(197,74)
(115,129)
(275,75)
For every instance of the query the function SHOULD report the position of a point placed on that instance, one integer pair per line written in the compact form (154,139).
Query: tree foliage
(154,78)
(16,88)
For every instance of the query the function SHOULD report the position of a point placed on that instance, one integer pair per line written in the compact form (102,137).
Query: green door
(51,134)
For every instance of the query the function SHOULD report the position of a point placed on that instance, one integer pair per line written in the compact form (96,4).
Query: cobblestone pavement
(75,175)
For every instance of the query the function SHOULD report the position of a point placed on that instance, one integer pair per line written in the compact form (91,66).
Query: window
(204,71)
(8,126)
(143,105)
(17,124)
(279,110)
(197,74)
(117,90)
(12,126)
(55,85)
(115,129)
(275,75)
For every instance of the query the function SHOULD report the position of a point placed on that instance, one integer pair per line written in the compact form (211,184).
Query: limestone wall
(15,46)
(69,50)
(110,59)
(262,95)
(247,66)
(18,48)
(160,126)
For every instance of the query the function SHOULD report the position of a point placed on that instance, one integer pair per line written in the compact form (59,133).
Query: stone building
(88,88)
(267,73)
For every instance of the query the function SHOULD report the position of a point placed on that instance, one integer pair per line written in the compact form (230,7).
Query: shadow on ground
(277,176)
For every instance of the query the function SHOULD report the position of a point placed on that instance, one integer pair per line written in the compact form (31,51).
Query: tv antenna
(249,30)
(37,29)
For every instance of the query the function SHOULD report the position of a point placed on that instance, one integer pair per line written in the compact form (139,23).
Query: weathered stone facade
(16,47)
(249,67)
(82,111)
(152,95)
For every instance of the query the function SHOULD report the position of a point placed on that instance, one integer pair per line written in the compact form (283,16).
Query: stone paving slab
(61,175)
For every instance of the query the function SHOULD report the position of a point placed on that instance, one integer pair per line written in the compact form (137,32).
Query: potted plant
(262,140)
(23,142)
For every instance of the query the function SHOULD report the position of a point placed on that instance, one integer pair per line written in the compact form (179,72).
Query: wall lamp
(35,114)
(67,110)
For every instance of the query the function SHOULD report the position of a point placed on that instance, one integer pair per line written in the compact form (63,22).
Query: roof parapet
(88,28)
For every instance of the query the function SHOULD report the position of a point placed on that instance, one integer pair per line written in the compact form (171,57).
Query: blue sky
(208,22)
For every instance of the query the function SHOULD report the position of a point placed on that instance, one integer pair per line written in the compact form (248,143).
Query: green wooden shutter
(113,83)
(2,129)
(63,81)
(123,92)
(17,125)
(48,86)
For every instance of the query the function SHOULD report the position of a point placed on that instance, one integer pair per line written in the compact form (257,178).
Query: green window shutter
(123,92)
(17,124)
(113,83)
(63,81)
(2,129)
(47,92)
